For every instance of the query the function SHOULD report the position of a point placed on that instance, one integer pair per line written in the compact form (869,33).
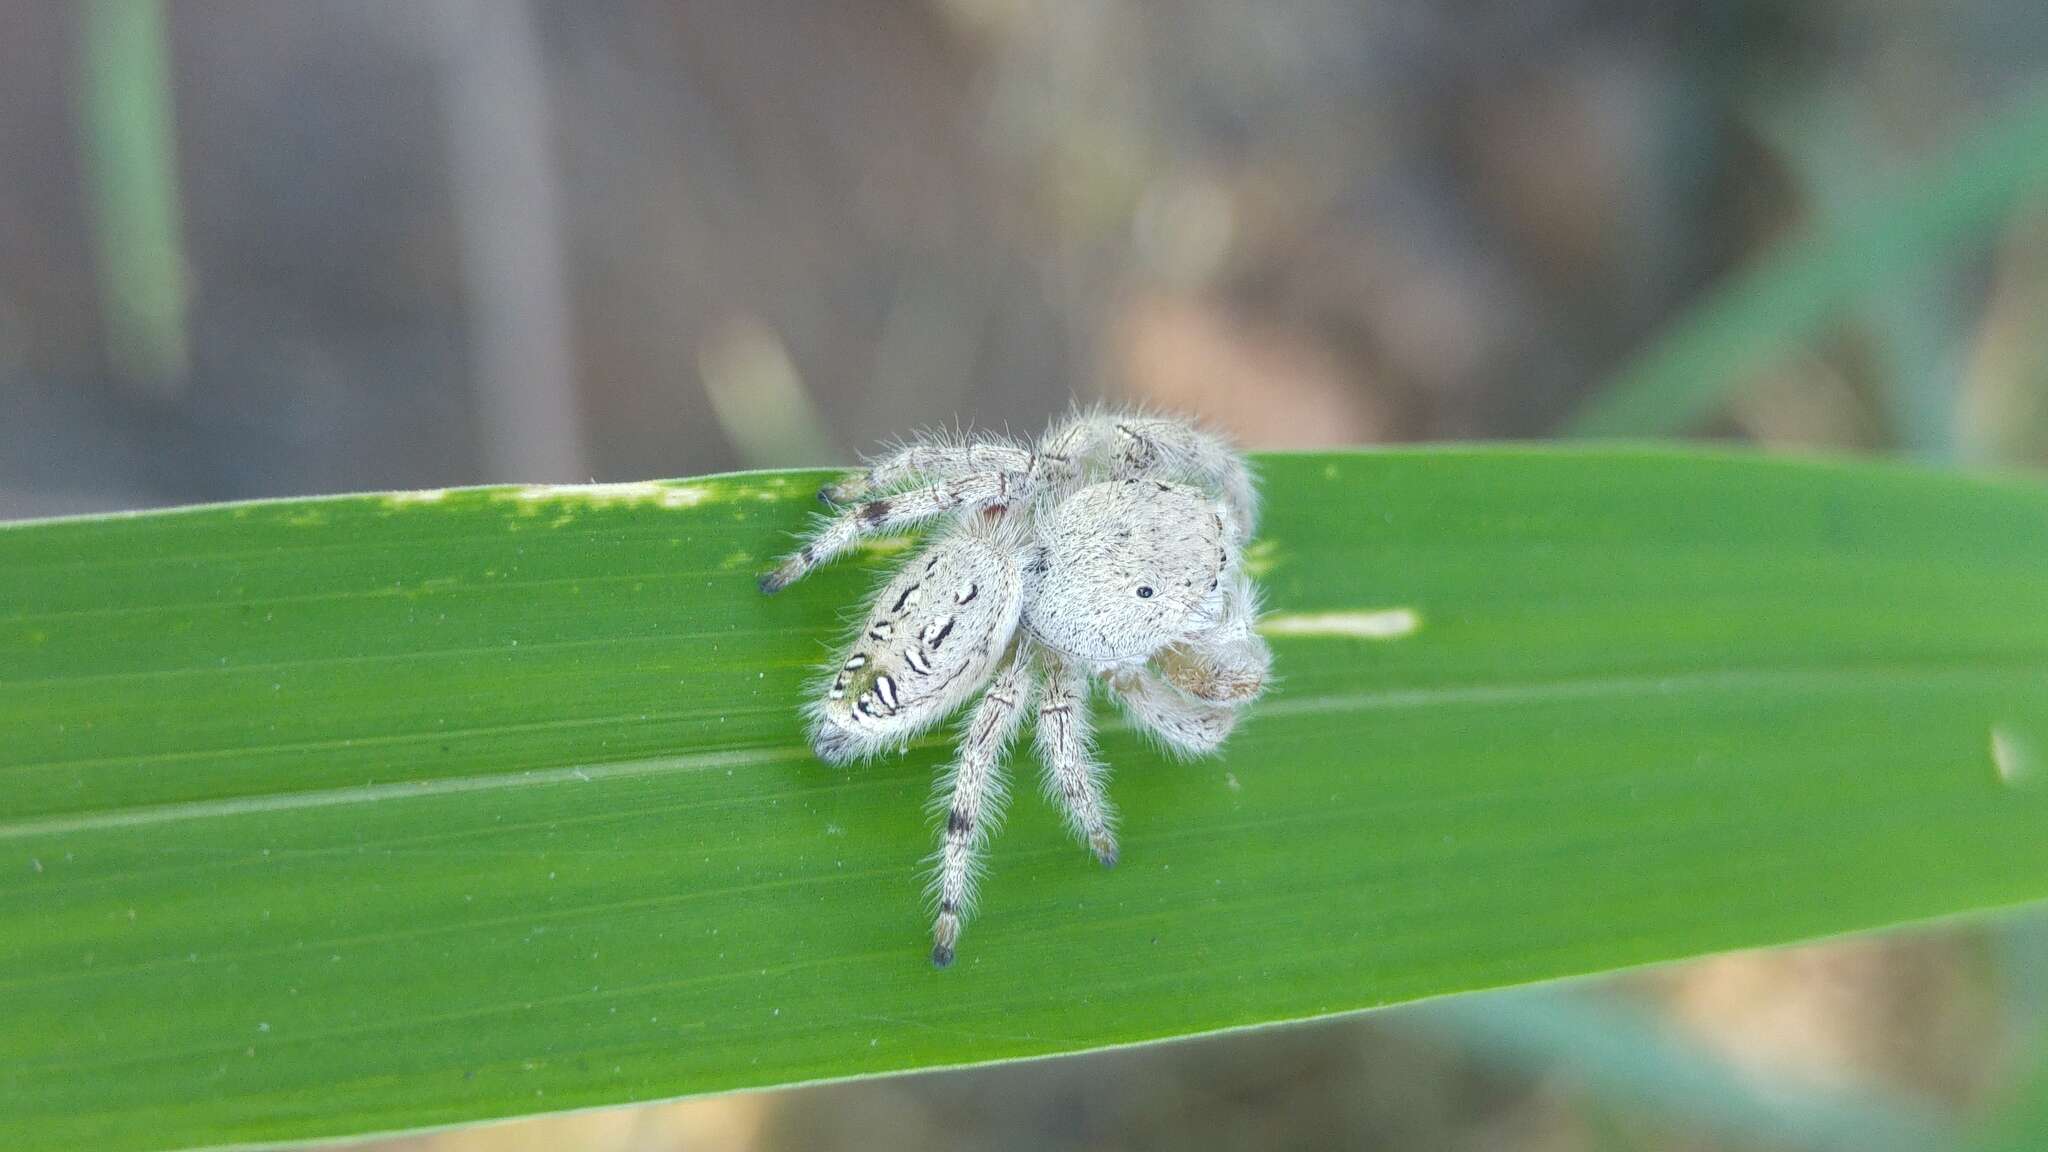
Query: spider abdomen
(929,641)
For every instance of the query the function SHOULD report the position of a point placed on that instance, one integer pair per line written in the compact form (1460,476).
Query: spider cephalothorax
(1109,550)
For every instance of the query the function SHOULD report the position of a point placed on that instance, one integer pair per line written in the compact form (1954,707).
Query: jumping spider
(1111,550)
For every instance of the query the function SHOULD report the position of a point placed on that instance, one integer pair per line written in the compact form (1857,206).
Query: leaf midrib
(1814,678)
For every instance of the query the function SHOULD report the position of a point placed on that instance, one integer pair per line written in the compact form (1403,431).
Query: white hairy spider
(1111,549)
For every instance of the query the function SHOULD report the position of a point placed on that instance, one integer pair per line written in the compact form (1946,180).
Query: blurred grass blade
(131,149)
(1625,1056)
(1914,323)
(2021,944)
(2019,1127)
(1793,294)
(334,816)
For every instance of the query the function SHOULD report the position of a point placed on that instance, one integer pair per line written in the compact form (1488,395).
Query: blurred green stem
(1914,323)
(131,152)
(1960,201)
(1623,1055)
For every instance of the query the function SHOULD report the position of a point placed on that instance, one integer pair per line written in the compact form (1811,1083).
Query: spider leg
(1136,444)
(1185,725)
(974,793)
(933,459)
(1066,749)
(1075,450)
(894,513)
(1078,440)
(1149,446)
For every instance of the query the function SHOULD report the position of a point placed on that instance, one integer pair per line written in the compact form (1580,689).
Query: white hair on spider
(1107,551)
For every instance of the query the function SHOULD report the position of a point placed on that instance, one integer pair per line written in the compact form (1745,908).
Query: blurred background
(254,248)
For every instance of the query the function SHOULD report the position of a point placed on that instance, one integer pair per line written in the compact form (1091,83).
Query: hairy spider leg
(893,513)
(974,798)
(1184,725)
(938,457)
(1074,778)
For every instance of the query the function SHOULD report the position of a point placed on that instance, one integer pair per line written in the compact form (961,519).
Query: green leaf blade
(1541,713)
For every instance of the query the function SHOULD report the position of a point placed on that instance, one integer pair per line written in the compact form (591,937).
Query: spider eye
(1144,592)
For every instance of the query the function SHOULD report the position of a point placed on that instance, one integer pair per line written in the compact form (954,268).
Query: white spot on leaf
(1383,624)
(2013,755)
(593,493)
(636,492)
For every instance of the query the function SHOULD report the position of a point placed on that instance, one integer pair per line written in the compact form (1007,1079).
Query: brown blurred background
(256,247)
